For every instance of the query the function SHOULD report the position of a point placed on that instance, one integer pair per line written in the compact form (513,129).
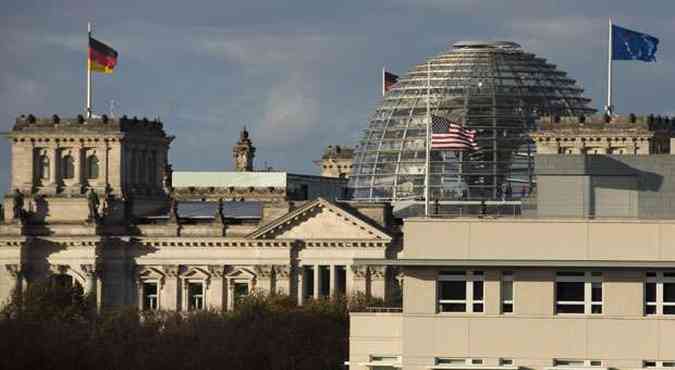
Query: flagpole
(384,68)
(428,149)
(609,109)
(88,103)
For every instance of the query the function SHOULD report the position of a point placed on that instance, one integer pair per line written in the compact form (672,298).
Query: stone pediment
(320,219)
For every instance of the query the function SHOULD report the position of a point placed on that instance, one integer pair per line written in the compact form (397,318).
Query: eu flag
(632,45)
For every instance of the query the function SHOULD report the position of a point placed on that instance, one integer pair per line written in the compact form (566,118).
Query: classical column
(265,275)
(358,279)
(230,295)
(170,292)
(317,276)
(300,277)
(15,272)
(377,280)
(216,291)
(282,281)
(77,167)
(332,281)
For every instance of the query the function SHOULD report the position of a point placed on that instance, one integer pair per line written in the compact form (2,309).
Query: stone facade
(243,153)
(336,161)
(55,162)
(622,135)
(132,253)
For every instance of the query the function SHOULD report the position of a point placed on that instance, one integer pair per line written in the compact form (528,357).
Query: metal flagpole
(88,103)
(609,109)
(428,154)
(384,68)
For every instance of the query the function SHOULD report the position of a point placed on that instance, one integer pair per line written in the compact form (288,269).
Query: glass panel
(650,310)
(568,291)
(507,290)
(452,290)
(478,290)
(477,307)
(570,308)
(596,295)
(669,292)
(669,310)
(507,308)
(650,292)
(453,307)
(596,308)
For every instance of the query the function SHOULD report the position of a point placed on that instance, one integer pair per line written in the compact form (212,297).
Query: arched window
(68,167)
(152,168)
(44,167)
(132,167)
(92,167)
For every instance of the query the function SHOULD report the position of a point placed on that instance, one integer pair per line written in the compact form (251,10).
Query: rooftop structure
(603,135)
(496,88)
(336,161)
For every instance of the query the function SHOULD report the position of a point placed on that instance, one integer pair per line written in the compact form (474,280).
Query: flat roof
(184,179)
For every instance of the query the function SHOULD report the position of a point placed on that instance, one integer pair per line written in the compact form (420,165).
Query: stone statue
(173,209)
(18,205)
(93,202)
(168,173)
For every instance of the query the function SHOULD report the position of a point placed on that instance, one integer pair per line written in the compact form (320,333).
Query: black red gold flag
(102,58)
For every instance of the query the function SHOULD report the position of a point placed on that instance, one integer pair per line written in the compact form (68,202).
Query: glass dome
(494,88)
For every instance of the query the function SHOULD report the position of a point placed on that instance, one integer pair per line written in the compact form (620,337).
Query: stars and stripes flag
(446,134)
(388,81)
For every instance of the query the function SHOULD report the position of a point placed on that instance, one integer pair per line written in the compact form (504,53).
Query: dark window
(68,167)
(150,296)
(92,167)
(195,296)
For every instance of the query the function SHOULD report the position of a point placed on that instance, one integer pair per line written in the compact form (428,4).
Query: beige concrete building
(92,203)
(526,294)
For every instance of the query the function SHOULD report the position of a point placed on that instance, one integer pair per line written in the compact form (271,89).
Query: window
(578,292)
(195,295)
(461,291)
(507,292)
(68,167)
(240,291)
(150,295)
(576,363)
(457,362)
(384,362)
(660,293)
(44,167)
(657,364)
(92,167)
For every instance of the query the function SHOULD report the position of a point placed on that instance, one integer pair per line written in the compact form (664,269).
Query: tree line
(58,327)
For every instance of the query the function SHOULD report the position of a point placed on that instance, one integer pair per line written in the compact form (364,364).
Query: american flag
(449,135)
(388,81)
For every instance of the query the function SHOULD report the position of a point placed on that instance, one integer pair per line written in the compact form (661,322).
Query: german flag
(102,58)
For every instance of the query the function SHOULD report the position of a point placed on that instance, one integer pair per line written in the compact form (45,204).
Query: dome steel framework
(493,87)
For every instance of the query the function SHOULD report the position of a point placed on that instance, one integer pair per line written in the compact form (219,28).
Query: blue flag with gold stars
(632,45)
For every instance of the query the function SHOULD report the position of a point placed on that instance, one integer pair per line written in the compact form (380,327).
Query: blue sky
(299,74)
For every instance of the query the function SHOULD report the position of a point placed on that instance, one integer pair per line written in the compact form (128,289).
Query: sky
(300,75)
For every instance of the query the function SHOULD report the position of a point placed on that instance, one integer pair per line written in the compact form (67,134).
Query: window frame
(659,279)
(507,277)
(470,278)
(588,279)
(190,296)
(144,295)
